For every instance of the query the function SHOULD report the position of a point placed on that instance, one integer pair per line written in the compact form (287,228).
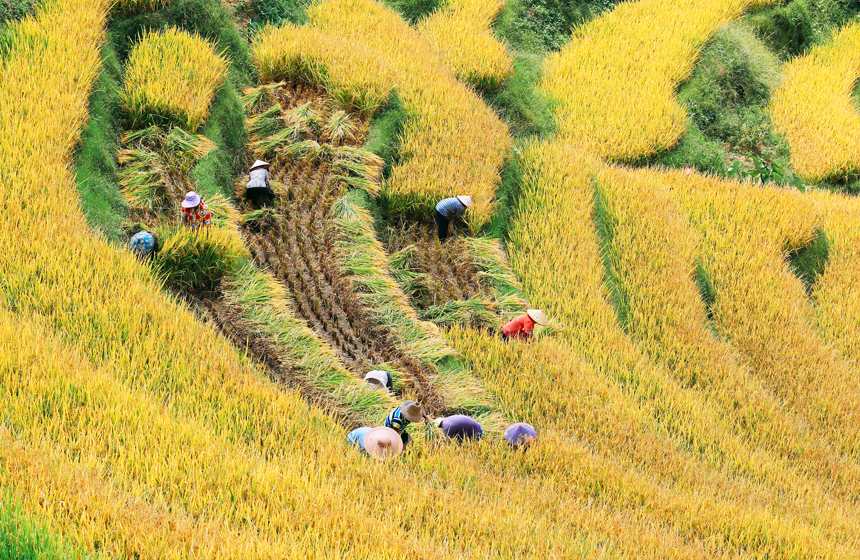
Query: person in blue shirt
(448,209)
(401,416)
(143,244)
(356,437)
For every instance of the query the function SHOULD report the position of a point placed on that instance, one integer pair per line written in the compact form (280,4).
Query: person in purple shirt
(460,427)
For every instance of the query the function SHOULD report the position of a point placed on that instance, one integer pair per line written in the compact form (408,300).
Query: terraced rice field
(696,393)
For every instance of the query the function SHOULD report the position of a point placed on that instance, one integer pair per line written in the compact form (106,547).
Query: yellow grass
(814,109)
(718,425)
(172,75)
(616,79)
(837,292)
(139,429)
(357,77)
(461,31)
(452,142)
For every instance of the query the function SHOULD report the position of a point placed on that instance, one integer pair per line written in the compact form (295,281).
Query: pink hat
(192,199)
(382,443)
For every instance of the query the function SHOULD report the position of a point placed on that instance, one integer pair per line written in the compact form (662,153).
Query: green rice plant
(254,99)
(366,265)
(370,187)
(23,539)
(267,123)
(179,141)
(172,76)
(195,260)
(473,312)
(143,177)
(263,302)
(488,256)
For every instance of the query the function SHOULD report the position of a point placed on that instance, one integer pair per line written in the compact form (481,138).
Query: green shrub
(792,28)
(414,10)
(13,10)
(276,12)
(698,152)
(729,91)
(546,24)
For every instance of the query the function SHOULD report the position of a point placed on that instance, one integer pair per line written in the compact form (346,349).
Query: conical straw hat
(259,163)
(466,200)
(382,443)
(538,317)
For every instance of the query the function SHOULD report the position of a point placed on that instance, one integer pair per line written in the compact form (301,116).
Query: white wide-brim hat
(538,317)
(378,378)
(259,163)
(382,443)
(466,200)
(192,199)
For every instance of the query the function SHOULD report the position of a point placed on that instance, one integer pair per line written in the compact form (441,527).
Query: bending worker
(379,380)
(143,244)
(401,416)
(258,189)
(459,427)
(450,208)
(522,326)
(194,213)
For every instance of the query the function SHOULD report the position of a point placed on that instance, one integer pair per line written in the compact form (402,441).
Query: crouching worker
(379,443)
(194,213)
(520,435)
(460,427)
(144,245)
(379,380)
(522,326)
(448,209)
(258,190)
(401,416)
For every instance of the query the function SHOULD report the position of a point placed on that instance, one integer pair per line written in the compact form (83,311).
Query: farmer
(522,326)
(401,416)
(448,209)
(460,427)
(143,244)
(379,443)
(379,380)
(520,434)
(258,189)
(194,213)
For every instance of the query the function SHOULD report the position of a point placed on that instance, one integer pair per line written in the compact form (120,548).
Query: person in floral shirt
(194,213)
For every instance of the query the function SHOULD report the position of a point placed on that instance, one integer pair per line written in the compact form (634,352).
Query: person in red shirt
(522,326)
(194,213)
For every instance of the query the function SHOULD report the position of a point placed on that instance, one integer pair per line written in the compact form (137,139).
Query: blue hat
(520,434)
